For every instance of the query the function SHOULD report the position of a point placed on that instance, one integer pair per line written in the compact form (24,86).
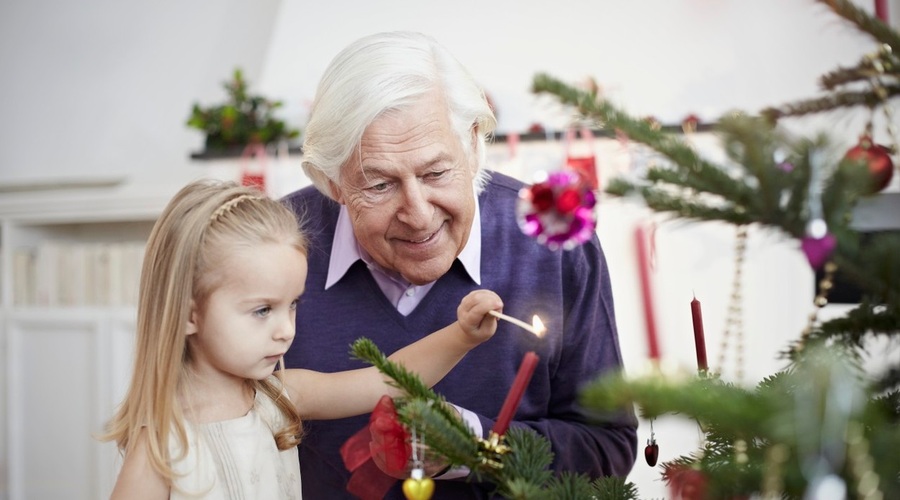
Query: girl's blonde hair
(182,265)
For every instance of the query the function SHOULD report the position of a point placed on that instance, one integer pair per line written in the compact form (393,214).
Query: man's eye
(381,186)
(436,175)
(262,312)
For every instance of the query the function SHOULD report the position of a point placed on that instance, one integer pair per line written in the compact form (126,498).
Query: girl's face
(246,324)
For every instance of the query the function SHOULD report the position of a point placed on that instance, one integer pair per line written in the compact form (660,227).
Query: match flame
(538,326)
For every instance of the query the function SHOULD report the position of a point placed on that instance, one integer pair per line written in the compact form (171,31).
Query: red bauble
(877,158)
(687,484)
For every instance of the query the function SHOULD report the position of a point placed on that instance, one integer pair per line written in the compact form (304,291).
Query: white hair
(383,72)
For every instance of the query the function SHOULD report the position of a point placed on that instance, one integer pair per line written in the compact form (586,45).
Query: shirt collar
(345,249)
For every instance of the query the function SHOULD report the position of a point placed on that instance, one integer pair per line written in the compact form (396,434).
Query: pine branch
(882,68)
(366,350)
(422,401)
(829,102)
(568,486)
(793,410)
(805,413)
(704,175)
(865,22)
(733,409)
(864,321)
(533,458)
(874,267)
(449,435)
(614,487)
(519,466)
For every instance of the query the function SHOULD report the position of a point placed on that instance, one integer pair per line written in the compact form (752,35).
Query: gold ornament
(734,321)
(418,487)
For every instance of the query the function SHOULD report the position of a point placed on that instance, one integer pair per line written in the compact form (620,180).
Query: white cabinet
(66,371)
(70,261)
(66,350)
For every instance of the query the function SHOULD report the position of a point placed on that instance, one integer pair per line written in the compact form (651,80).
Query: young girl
(206,414)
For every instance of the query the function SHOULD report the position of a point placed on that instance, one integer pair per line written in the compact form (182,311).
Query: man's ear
(193,324)
(474,147)
(335,191)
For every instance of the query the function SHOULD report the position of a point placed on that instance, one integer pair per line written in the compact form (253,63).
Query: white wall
(99,90)
(656,57)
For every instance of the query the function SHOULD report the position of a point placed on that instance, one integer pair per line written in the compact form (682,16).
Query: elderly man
(403,221)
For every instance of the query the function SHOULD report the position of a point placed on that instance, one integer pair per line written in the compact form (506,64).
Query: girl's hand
(473,316)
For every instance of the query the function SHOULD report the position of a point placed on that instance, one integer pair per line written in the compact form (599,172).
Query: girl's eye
(294,304)
(262,312)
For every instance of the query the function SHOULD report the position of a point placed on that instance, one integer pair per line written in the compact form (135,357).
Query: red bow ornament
(384,436)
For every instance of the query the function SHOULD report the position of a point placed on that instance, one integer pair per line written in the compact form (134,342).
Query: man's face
(409,191)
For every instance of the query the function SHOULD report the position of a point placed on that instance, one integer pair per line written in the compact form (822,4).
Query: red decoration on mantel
(877,158)
(690,123)
(253,173)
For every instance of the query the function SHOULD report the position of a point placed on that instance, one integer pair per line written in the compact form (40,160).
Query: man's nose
(416,210)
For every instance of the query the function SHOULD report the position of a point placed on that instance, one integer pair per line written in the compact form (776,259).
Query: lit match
(537,327)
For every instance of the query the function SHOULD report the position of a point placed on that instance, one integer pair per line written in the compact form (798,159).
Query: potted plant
(243,120)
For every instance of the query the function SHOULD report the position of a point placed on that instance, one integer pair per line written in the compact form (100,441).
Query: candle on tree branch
(881,10)
(699,338)
(646,292)
(511,404)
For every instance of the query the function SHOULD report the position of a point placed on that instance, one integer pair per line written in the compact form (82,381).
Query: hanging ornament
(417,486)
(818,250)
(818,243)
(878,160)
(651,451)
(558,211)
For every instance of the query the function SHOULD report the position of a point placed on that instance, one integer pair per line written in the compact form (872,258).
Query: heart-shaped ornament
(818,250)
(418,489)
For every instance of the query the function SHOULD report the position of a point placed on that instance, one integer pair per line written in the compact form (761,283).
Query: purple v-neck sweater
(569,290)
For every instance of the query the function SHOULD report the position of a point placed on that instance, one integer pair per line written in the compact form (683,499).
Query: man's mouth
(423,240)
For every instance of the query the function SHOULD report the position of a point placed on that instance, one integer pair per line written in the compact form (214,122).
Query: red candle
(699,339)
(526,370)
(646,292)
(881,10)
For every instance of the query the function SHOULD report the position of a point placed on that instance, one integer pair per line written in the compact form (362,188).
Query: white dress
(238,459)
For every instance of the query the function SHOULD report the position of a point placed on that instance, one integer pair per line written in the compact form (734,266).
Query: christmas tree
(822,427)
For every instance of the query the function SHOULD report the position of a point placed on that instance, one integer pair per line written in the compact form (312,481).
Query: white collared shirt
(405,296)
